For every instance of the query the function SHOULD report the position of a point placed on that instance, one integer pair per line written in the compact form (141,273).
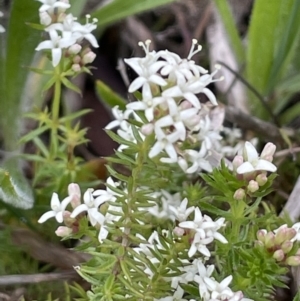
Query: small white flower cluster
(2,29)
(253,168)
(66,34)
(181,125)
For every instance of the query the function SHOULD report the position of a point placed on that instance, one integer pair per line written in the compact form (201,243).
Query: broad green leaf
(20,43)
(120,9)
(14,188)
(231,29)
(76,7)
(108,96)
(290,114)
(268,21)
(288,32)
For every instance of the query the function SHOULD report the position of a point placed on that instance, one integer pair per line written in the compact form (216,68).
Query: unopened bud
(76,68)
(185,105)
(293,260)
(68,220)
(63,231)
(261,179)
(88,57)
(77,59)
(74,49)
(252,186)
(287,246)
(178,231)
(239,194)
(75,194)
(237,162)
(261,235)
(147,129)
(278,255)
(45,18)
(270,240)
(268,151)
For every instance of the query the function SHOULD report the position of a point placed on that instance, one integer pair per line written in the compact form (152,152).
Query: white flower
(181,213)
(57,209)
(165,142)
(50,5)
(146,69)
(198,160)
(91,206)
(203,273)
(56,44)
(120,118)
(206,231)
(104,195)
(219,291)
(253,162)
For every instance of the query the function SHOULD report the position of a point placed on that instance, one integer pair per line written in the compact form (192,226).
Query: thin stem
(55,113)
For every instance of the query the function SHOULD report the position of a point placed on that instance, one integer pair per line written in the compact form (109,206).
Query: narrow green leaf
(35,133)
(20,44)
(231,29)
(108,96)
(290,114)
(109,283)
(119,9)
(70,85)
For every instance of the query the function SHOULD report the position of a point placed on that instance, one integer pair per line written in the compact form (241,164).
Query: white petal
(56,56)
(250,153)
(156,79)
(81,208)
(192,99)
(91,38)
(155,150)
(245,168)
(102,234)
(136,105)
(265,165)
(211,96)
(136,84)
(55,203)
(44,45)
(46,216)
(59,216)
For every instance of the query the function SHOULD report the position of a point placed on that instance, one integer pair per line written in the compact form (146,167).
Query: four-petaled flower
(57,207)
(252,162)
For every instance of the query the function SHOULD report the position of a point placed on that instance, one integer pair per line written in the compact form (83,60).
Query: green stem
(55,114)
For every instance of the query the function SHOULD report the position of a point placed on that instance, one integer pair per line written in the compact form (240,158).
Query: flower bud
(77,59)
(75,194)
(261,235)
(237,161)
(261,179)
(293,260)
(278,255)
(45,18)
(147,129)
(88,57)
(68,220)
(76,68)
(185,105)
(268,151)
(178,231)
(74,49)
(252,186)
(287,246)
(63,231)
(270,240)
(291,233)
(239,194)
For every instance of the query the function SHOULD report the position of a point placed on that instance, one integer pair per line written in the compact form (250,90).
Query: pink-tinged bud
(287,246)
(76,68)
(185,105)
(238,296)
(261,179)
(268,152)
(237,162)
(252,186)
(258,243)
(68,220)
(63,231)
(281,234)
(75,194)
(45,18)
(278,255)
(261,235)
(179,231)
(239,195)
(74,49)
(88,57)
(77,59)
(291,233)
(270,240)
(293,260)
(147,129)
